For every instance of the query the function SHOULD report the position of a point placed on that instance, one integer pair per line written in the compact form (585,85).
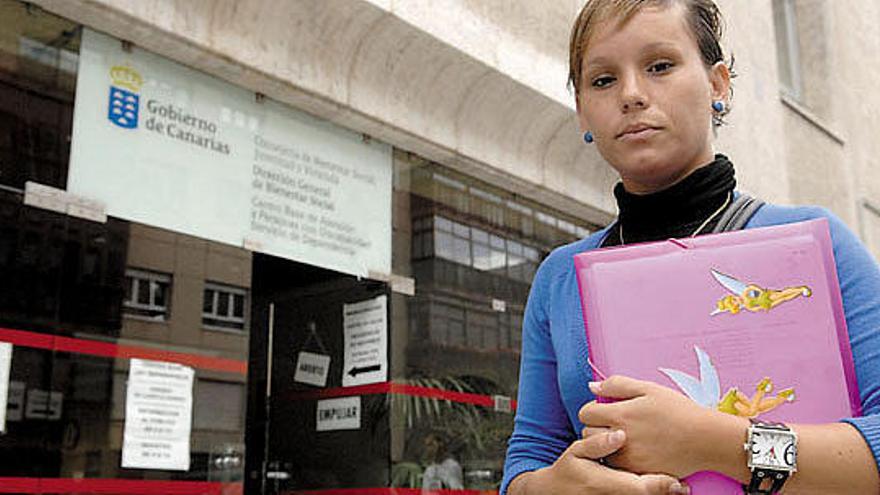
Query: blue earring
(588,137)
(718,106)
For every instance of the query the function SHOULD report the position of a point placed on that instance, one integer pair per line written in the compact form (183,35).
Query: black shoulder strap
(738,213)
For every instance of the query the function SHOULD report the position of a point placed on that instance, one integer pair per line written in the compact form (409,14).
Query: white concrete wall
(854,84)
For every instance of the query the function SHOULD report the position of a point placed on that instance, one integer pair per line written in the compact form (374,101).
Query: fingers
(660,484)
(617,387)
(590,431)
(600,443)
(620,387)
(596,415)
(608,480)
(625,483)
(596,447)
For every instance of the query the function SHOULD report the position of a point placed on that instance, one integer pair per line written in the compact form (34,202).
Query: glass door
(317,407)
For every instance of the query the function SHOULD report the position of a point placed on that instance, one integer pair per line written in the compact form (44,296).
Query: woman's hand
(578,471)
(665,431)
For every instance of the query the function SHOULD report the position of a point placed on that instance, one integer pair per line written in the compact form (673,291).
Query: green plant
(406,475)
(414,408)
(473,433)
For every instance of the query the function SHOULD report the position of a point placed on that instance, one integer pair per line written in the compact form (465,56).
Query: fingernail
(617,436)
(595,387)
(679,489)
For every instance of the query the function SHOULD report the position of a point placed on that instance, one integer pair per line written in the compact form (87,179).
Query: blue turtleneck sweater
(554,371)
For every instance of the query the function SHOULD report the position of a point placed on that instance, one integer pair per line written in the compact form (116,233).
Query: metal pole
(268,404)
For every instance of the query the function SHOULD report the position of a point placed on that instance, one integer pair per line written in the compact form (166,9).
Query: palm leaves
(415,408)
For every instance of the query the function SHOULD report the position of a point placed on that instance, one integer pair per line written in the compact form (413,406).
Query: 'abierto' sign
(312,369)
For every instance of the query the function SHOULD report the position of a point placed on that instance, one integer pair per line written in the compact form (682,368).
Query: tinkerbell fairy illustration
(752,297)
(706,391)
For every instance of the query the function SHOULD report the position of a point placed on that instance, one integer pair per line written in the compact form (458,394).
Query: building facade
(175,321)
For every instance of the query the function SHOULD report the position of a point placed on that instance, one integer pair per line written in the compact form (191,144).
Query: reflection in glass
(238,305)
(142,288)
(222,303)
(482,257)
(223,306)
(475,251)
(146,293)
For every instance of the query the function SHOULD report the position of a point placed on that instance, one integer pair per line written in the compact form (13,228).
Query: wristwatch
(772,453)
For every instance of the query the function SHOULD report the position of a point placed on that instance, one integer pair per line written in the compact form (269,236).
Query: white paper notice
(5,364)
(15,405)
(339,414)
(312,368)
(365,325)
(158,416)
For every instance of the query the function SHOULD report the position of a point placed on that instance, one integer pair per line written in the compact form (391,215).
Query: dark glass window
(475,250)
(223,307)
(146,293)
(79,298)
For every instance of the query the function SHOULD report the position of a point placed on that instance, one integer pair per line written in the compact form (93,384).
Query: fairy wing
(707,390)
(709,376)
(731,284)
(691,387)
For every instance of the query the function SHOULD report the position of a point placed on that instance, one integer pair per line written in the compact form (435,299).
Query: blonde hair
(703,18)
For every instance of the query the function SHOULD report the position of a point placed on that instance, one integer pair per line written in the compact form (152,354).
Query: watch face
(773,450)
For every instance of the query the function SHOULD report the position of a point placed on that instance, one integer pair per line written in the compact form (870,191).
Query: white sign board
(339,414)
(365,327)
(166,145)
(5,366)
(15,406)
(312,369)
(158,416)
(43,404)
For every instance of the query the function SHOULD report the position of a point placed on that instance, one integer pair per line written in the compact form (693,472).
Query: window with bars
(223,307)
(147,294)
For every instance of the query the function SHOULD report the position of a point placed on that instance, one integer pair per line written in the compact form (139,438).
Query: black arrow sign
(365,369)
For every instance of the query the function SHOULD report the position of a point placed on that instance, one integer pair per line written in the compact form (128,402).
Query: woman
(442,471)
(650,83)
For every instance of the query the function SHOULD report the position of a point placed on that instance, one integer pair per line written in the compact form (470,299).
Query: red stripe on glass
(108,486)
(27,339)
(450,395)
(107,349)
(398,388)
(390,491)
(111,350)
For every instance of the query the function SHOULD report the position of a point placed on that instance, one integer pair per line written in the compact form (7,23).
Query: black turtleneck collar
(676,211)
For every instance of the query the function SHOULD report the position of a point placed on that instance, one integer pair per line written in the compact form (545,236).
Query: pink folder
(704,315)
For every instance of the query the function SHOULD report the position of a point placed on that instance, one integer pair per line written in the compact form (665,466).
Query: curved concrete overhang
(359,64)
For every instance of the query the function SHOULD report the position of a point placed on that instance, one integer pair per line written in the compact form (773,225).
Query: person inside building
(652,86)
(442,471)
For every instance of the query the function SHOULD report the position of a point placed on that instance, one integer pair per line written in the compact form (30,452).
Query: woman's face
(432,447)
(646,96)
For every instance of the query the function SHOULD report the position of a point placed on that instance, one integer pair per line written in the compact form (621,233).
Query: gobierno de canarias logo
(124,98)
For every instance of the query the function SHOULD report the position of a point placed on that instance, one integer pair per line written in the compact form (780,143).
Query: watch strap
(759,476)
